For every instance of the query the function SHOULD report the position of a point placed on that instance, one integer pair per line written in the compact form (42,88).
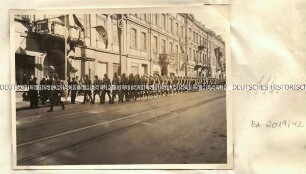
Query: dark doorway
(24,65)
(54,63)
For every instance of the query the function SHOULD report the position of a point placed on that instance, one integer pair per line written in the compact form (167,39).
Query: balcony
(202,48)
(59,31)
(76,36)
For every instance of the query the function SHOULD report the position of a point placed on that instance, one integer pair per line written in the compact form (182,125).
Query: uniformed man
(115,90)
(178,84)
(144,83)
(49,83)
(174,84)
(106,83)
(137,84)
(157,82)
(33,93)
(151,86)
(55,94)
(123,92)
(87,91)
(74,90)
(169,85)
(131,82)
(97,89)
(43,92)
(69,83)
(162,81)
(192,82)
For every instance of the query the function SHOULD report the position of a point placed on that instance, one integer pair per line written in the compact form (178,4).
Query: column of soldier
(115,88)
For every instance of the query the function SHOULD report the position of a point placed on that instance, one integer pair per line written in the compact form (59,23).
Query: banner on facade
(181,46)
(218,55)
(103,33)
(41,27)
(77,22)
(183,57)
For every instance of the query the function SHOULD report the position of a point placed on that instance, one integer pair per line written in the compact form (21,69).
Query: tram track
(139,122)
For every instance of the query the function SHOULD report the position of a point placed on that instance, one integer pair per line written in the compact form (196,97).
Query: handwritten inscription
(277,124)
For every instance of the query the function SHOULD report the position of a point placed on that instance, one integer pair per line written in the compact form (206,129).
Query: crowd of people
(120,88)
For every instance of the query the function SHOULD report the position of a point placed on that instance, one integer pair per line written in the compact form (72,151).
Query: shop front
(54,36)
(24,68)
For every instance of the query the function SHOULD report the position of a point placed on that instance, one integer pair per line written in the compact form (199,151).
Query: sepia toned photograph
(136,88)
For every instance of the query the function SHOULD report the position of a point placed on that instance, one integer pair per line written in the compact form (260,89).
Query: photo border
(171,9)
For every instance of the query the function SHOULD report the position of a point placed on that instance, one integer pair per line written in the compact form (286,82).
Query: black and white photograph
(121,88)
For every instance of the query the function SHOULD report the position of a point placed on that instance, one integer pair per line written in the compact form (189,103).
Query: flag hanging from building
(217,51)
(119,21)
(77,22)
(182,66)
(119,30)
(103,33)
(218,55)
(119,25)
(181,45)
(184,57)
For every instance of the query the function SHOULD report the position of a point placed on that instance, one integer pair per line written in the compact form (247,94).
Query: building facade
(164,44)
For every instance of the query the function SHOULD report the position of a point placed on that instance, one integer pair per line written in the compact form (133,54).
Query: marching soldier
(157,85)
(174,85)
(97,89)
(169,85)
(81,83)
(123,92)
(162,81)
(191,84)
(178,84)
(87,91)
(186,83)
(55,94)
(151,86)
(182,84)
(144,83)
(106,88)
(131,82)
(115,83)
(137,84)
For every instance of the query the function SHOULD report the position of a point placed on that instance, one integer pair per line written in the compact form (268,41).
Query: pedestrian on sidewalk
(69,84)
(55,93)
(43,92)
(33,93)
(74,85)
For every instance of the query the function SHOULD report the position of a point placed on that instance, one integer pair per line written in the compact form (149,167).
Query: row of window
(198,38)
(173,27)
(143,43)
(102,20)
(197,56)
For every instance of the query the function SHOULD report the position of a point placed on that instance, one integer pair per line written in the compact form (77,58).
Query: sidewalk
(24,105)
